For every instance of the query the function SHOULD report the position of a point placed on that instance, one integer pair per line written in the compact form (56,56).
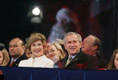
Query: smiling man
(75,58)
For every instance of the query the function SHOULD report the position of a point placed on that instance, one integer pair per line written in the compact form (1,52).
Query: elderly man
(16,51)
(91,46)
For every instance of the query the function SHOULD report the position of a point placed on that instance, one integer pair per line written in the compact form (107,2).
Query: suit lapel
(64,61)
(75,59)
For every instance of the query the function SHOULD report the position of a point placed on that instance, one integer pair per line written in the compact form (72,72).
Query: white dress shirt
(42,61)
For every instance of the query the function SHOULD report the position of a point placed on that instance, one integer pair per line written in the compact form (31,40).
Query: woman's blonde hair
(58,47)
(6,58)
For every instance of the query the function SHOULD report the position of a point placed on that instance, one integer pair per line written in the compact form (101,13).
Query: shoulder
(25,62)
(45,59)
(82,56)
(23,57)
(46,62)
(92,58)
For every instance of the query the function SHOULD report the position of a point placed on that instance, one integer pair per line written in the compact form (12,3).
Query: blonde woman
(4,57)
(36,44)
(54,52)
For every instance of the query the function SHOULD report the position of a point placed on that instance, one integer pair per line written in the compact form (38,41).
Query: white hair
(67,14)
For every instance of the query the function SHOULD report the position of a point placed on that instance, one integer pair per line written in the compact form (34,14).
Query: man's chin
(13,55)
(73,53)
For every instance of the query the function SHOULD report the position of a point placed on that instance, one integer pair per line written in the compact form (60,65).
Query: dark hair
(2,46)
(111,62)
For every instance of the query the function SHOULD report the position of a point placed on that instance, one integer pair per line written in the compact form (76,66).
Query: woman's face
(116,61)
(28,54)
(37,48)
(53,54)
(1,57)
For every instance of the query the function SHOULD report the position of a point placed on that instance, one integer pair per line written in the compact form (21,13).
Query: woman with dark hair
(113,64)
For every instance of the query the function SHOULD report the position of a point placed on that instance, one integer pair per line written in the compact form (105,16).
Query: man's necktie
(11,63)
(69,60)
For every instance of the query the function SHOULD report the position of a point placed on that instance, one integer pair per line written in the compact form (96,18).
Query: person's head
(54,51)
(72,42)
(113,64)
(36,43)
(16,47)
(27,51)
(4,57)
(66,15)
(91,45)
(61,42)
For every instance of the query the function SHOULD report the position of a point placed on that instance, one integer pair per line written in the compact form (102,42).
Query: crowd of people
(69,53)
(63,49)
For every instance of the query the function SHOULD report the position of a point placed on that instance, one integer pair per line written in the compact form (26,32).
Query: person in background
(27,51)
(91,46)
(36,44)
(113,64)
(4,56)
(67,21)
(54,52)
(16,51)
(61,42)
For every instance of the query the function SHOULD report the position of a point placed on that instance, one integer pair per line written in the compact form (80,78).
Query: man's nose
(37,46)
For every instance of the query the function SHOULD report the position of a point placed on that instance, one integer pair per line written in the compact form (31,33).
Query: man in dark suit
(75,59)
(16,51)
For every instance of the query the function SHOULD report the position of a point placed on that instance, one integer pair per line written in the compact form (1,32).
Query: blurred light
(97,0)
(35,19)
(36,11)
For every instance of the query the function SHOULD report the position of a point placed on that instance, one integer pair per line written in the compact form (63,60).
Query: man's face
(87,44)
(72,44)
(15,48)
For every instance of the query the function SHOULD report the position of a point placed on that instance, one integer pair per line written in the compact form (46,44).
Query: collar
(14,59)
(73,56)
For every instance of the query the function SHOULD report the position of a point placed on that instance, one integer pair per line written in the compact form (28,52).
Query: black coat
(81,61)
(15,64)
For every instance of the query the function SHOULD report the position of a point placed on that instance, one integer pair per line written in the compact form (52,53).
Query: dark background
(97,17)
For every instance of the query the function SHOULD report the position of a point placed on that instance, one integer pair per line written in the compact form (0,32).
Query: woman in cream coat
(36,44)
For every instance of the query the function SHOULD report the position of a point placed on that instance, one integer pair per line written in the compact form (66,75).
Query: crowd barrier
(17,73)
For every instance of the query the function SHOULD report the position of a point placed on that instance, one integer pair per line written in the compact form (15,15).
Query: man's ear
(65,46)
(23,47)
(80,44)
(95,47)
